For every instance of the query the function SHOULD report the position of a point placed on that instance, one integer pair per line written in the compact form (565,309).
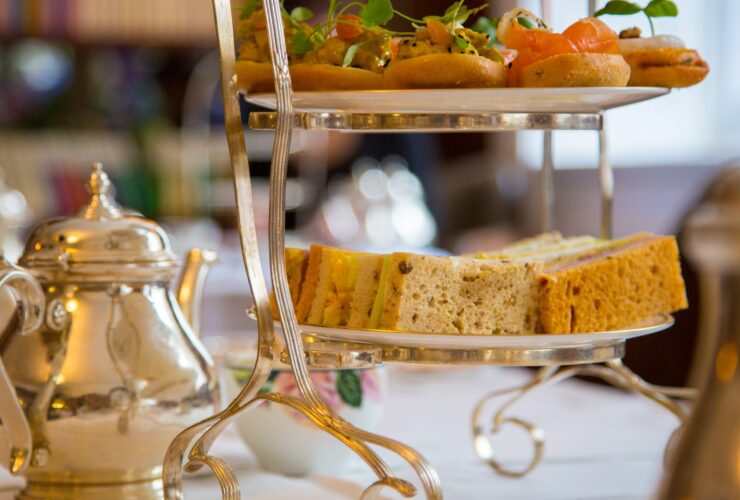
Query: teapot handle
(30,301)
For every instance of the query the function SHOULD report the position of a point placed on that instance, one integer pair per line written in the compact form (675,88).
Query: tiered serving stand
(560,356)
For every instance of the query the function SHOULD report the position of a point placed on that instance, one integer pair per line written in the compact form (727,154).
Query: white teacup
(286,442)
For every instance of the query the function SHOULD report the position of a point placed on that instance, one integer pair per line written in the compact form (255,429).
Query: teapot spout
(190,288)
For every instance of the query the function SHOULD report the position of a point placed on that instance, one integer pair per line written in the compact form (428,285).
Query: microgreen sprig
(373,14)
(455,17)
(656,8)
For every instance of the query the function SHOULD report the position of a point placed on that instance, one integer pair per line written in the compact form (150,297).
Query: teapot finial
(102,205)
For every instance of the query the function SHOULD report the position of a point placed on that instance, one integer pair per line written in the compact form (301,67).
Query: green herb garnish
(456,15)
(376,13)
(300,43)
(301,14)
(249,7)
(656,8)
(526,22)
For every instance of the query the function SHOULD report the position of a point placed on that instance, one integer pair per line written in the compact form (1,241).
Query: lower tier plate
(467,342)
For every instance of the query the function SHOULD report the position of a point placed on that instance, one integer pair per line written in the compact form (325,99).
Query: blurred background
(134,84)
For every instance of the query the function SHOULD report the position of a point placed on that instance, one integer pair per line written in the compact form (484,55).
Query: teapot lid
(103,241)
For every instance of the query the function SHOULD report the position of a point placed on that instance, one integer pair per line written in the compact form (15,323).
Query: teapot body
(100,369)
(106,383)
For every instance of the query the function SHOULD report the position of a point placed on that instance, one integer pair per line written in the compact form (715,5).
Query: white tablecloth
(601,443)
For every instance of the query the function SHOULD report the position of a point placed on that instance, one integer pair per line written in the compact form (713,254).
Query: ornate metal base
(358,440)
(614,372)
(141,490)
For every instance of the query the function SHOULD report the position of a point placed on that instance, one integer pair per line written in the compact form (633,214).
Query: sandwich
(339,287)
(618,284)
(547,284)
(456,295)
(296,264)
(661,61)
(442,53)
(586,54)
(592,285)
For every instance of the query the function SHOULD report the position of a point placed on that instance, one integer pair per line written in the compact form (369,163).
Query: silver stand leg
(612,372)
(547,184)
(606,187)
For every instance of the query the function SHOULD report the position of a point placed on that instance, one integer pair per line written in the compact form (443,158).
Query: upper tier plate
(440,341)
(506,100)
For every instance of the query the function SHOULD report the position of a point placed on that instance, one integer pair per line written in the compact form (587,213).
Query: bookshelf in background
(50,168)
(116,22)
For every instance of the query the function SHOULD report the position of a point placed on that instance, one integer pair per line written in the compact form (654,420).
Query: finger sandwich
(547,284)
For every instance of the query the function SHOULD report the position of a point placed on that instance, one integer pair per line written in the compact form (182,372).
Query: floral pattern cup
(285,441)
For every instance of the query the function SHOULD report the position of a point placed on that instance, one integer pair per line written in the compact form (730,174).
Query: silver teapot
(101,366)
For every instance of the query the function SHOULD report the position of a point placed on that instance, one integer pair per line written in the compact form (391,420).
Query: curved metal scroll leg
(173,462)
(428,476)
(323,415)
(336,428)
(352,437)
(225,476)
(613,372)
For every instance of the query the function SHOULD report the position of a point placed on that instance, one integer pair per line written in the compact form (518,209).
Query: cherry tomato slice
(395,41)
(438,32)
(349,27)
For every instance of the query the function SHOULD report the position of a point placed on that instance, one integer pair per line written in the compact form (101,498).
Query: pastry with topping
(346,52)
(658,60)
(442,53)
(586,54)
(254,65)
(661,61)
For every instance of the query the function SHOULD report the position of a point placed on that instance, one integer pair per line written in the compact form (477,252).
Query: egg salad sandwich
(296,264)
(339,287)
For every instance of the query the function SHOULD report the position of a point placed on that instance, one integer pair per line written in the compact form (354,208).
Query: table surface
(602,443)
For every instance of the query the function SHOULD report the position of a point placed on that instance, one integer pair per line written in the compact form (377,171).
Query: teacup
(285,441)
